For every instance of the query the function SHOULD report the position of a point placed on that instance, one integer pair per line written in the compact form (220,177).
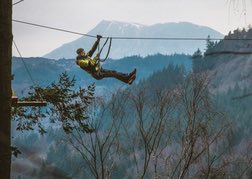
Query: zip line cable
(124,38)
(241,97)
(145,38)
(227,52)
(26,68)
(17,2)
(53,28)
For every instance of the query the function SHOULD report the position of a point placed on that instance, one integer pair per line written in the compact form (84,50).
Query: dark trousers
(102,73)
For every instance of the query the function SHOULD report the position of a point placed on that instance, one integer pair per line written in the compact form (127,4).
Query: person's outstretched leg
(102,73)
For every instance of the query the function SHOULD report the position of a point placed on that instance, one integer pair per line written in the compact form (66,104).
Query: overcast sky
(83,15)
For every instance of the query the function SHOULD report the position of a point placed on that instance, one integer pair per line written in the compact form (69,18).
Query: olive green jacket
(87,63)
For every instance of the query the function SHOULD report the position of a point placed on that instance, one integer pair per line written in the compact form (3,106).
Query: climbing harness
(100,50)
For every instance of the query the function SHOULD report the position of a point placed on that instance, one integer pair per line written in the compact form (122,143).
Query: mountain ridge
(130,47)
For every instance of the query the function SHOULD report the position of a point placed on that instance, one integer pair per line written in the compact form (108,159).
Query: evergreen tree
(65,105)
(209,44)
(197,59)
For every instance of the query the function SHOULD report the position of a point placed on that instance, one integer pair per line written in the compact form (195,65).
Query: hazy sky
(83,15)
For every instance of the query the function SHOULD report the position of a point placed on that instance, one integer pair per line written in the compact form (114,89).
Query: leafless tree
(240,7)
(201,132)
(100,149)
(149,132)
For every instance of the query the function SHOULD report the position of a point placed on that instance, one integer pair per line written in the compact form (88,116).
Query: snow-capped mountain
(129,47)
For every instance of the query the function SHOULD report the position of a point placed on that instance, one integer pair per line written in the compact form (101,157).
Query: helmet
(79,50)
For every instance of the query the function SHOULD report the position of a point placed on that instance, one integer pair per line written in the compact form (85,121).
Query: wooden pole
(5,87)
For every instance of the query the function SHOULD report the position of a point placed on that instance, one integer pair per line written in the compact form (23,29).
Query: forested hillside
(167,125)
(229,61)
(172,123)
(44,71)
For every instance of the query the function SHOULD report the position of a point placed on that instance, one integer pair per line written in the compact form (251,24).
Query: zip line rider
(93,66)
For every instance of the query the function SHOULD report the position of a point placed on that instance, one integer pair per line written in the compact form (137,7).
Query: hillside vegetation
(173,123)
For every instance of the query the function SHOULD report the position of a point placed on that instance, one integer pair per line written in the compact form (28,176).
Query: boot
(133,72)
(132,76)
(131,79)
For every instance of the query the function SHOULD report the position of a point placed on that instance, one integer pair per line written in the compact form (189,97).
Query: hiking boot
(133,72)
(131,79)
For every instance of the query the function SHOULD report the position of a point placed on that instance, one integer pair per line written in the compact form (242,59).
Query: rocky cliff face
(229,61)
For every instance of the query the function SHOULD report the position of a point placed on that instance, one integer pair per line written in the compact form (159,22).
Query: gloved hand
(97,55)
(98,36)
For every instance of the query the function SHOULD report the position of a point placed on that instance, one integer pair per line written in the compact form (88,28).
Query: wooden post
(5,87)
